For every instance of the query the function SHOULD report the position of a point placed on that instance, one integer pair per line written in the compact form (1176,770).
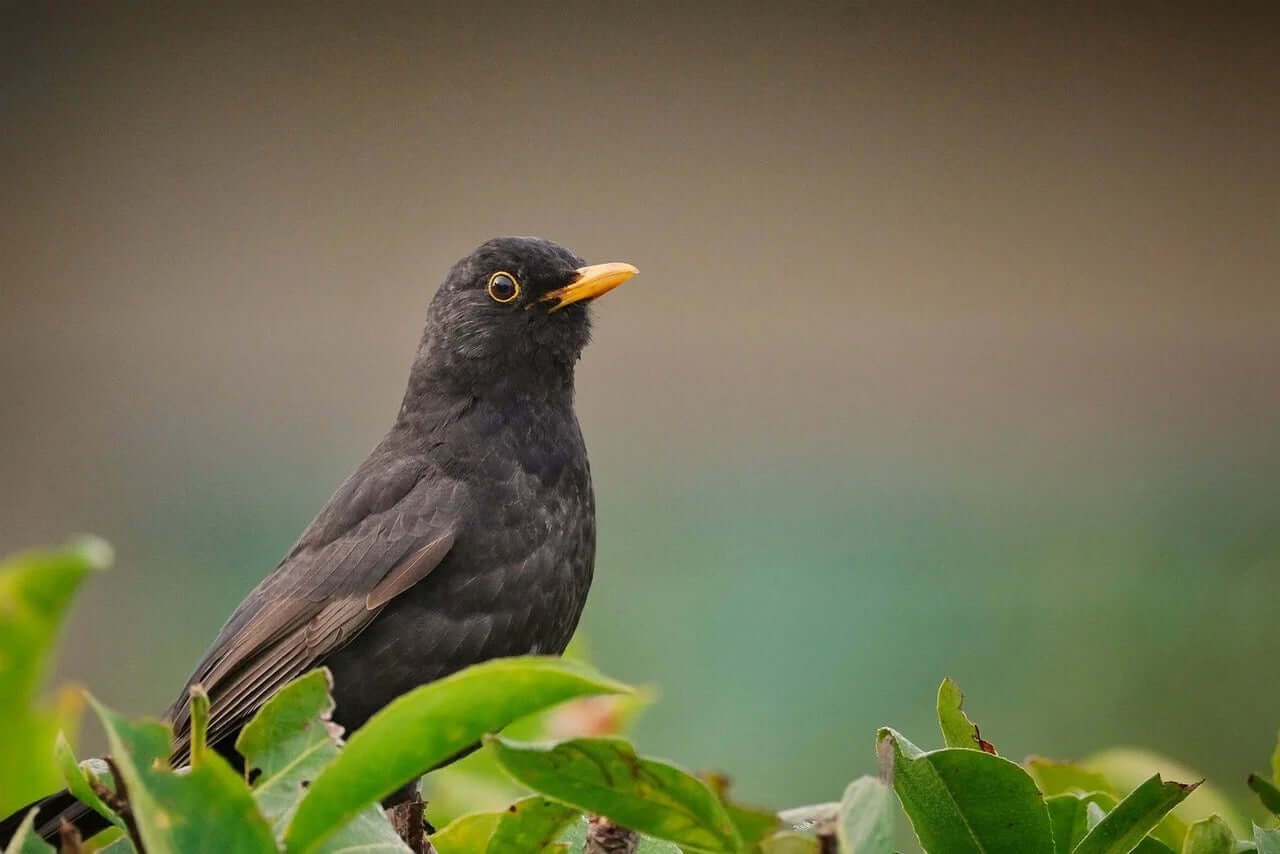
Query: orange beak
(590,283)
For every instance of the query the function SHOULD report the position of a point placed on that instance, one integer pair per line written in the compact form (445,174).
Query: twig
(119,803)
(410,822)
(827,842)
(69,839)
(605,837)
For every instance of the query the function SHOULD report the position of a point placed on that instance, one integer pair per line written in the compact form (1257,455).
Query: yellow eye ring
(503,287)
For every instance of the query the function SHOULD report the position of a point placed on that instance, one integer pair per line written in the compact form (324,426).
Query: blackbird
(467,534)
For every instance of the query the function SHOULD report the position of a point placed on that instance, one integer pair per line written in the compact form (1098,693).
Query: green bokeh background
(954,350)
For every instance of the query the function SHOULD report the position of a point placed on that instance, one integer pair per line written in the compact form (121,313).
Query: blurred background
(956,348)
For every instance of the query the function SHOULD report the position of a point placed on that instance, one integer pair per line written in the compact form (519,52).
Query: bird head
(514,311)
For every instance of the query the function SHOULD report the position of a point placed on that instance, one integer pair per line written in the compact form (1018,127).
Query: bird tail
(52,811)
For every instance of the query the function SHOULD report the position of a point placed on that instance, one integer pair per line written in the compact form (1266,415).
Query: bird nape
(467,534)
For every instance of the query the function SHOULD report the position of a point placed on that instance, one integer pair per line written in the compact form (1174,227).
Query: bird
(467,534)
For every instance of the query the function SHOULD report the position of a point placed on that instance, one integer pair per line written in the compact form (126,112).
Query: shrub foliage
(551,757)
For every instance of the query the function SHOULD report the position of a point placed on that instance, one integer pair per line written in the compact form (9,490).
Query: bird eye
(503,287)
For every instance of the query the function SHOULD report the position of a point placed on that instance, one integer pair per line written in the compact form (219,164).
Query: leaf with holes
(289,741)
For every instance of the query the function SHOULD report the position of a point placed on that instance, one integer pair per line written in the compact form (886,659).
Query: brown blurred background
(956,348)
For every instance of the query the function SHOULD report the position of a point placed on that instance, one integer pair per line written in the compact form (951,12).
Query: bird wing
(380,535)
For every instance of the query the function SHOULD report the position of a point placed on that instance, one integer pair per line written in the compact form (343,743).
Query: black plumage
(467,534)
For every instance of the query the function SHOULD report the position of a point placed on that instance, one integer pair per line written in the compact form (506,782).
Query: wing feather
(323,594)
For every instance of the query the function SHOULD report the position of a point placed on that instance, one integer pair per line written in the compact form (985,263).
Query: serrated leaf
(36,590)
(604,775)
(957,729)
(1134,817)
(966,801)
(445,717)
(1209,836)
(865,823)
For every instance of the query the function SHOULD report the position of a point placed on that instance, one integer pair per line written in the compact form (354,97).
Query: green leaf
(530,825)
(199,723)
(789,842)
(1275,762)
(1055,777)
(78,782)
(26,842)
(208,809)
(113,841)
(865,823)
(36,590)
(1134,817)
(1066,812)
(957,729)
(1127,768)
(1068,815)
(962,801)
(1267,792)
(604,775)
(466,834)
(1268,841)
(475,782)
(444,718)
(288,742)
(1209,836)
(370,832)
(752,823)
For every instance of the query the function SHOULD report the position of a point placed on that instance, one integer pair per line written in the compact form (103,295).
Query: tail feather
(53,810)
